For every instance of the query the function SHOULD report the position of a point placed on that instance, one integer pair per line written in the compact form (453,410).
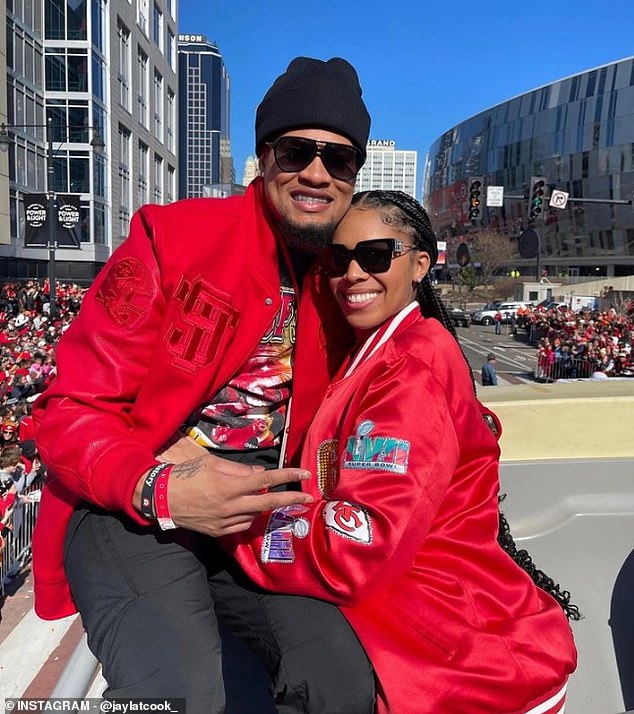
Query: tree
(467,276)
(492,251)
(621,300)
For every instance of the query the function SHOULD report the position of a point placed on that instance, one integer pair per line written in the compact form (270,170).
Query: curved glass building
(578,135)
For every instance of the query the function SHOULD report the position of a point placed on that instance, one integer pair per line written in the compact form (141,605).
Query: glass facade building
(56,92)
(576,133)
(71,75)
(203,101)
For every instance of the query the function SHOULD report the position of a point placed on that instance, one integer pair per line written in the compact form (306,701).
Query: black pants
(151,602)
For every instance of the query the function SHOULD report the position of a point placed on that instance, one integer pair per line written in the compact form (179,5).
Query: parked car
(459,317)
(487,317)
(553,305)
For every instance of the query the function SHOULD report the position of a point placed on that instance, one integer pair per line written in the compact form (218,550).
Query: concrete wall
(581,420)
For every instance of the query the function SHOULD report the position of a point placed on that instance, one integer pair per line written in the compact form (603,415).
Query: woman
(403,531)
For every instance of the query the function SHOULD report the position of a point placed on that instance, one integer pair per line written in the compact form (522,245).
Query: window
(69,118)
(99,213)
(124,69)
(98,23)
(171,185)
(66,70)
(171,50)
(55,71)
(157,27)
(171,120)
(55,20)
(98,77)
(125,186)
(158,106)
(144,170)
(143,88)
(64,20)
(71,171)
(158,179)
(142,15)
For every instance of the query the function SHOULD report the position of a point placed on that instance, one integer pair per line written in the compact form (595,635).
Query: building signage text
(381,144)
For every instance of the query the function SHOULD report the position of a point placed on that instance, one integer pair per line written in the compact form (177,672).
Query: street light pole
(97,145)
(50,214)
(538,266)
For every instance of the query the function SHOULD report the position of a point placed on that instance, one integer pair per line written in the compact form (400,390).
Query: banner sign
(36,218)
(68,217)
(67,212)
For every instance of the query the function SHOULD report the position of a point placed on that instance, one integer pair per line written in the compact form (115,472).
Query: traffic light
(474,199)
(536,198)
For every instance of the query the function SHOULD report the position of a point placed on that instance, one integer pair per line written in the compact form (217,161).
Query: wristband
(161,505)
(148,508)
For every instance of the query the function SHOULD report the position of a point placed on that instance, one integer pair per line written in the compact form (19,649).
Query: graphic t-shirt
(250,411)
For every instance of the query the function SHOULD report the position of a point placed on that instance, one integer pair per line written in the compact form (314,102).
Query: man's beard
(307,239)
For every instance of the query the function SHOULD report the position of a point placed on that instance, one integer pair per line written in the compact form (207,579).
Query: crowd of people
(589,343)
(28,336)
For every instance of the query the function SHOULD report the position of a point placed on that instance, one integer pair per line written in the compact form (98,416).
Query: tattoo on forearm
(188,469)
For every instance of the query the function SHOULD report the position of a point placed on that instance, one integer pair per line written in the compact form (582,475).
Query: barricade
(17,543)
(570,368)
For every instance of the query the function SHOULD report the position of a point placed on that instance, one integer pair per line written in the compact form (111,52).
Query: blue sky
(424,66)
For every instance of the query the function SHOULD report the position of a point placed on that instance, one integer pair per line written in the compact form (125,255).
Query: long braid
(400,209)
(539,577)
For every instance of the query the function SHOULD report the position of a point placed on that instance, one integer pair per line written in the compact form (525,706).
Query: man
(489,375)
(190,327)
(497,318)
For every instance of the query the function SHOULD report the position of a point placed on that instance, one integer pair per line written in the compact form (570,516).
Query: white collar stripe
(388,331)
(551,704)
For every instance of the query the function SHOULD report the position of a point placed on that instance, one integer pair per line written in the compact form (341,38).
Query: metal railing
(80,670)
(563,368)
(17,541)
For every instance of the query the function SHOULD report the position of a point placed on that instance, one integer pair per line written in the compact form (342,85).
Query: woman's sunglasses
(374,256)
(295,153)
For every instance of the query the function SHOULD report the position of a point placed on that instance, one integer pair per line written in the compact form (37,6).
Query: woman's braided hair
(406,213)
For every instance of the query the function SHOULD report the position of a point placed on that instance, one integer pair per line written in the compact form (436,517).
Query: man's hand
(219,497)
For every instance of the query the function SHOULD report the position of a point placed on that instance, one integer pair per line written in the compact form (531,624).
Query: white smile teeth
(311,199)
(360,297)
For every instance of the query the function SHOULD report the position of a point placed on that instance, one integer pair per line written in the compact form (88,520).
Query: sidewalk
(33,652)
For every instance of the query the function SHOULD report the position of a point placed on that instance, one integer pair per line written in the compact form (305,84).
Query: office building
(76,71)
(388,168)
(204,142)
(144,108)
(576,136)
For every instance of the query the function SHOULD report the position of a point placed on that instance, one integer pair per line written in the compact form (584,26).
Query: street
(515,357)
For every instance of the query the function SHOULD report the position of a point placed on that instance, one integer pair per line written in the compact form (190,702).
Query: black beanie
(314,94)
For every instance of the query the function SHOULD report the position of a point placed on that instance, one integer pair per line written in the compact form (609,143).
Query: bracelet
(148,507)
(161,505)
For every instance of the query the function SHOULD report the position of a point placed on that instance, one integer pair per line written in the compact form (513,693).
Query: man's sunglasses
(374,256)
(295,153)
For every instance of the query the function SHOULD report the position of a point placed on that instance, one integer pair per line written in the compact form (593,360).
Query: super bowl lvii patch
(381,453)
(283,525)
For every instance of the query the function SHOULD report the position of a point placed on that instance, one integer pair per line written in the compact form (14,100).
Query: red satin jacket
(403,536)
(174,314)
